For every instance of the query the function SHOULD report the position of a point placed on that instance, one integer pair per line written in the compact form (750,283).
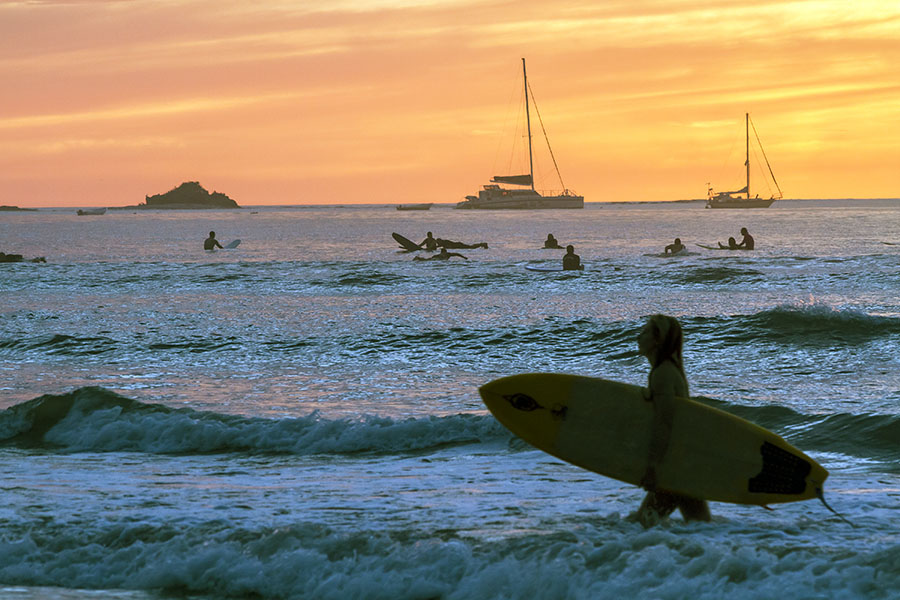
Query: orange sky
(388,101)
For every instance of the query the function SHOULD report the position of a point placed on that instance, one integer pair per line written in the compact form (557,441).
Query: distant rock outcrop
(15,208)
(189,194)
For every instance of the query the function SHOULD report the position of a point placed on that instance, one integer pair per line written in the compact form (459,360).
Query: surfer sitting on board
(442,255)
(747,241)
(551,242)
(675,247)
(211,243)
(732,244)
(661,342)
(429,243)
(571,261)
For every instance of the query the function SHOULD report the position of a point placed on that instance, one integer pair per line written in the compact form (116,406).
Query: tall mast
(747,162)
(528,120)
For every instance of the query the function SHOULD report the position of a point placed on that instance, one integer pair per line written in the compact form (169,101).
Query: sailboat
(493,196)
(741,198)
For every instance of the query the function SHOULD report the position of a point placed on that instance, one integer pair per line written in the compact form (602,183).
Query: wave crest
(98,420)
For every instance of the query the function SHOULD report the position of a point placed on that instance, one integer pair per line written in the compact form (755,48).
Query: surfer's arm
(662,395)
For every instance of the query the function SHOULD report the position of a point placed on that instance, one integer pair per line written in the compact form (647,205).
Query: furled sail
(513,179)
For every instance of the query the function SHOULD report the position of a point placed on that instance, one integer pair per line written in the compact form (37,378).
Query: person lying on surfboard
(442,255)
(661,341)
(432,243)
(456,245)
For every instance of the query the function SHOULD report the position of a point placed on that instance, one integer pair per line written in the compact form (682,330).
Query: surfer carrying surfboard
(661,341)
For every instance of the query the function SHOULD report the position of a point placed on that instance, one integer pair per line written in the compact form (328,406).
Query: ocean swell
(94,419)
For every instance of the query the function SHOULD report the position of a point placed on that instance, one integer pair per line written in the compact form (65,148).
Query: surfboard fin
(821,496)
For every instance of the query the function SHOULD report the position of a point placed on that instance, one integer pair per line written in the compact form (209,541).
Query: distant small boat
(735,199)
(92,211)
(420,206)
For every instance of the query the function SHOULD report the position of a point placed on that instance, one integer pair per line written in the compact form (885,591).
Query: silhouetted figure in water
(211,243)
(571,261)
(432,243)
(675,247)
(732,245)
(442,255)
(429,243)
(661,341)
(747,242)
(552,243)
(456,245)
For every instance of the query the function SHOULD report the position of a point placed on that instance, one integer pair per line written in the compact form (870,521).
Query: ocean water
(299,417)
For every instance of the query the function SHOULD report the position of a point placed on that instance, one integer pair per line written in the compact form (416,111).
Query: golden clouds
(341,92)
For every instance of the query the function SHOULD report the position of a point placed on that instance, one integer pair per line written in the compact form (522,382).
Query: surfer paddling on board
(571,261)
(442,255)
(661,342)
(432,243)
(211,243)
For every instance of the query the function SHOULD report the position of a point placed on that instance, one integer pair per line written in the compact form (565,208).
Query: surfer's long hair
(670,340)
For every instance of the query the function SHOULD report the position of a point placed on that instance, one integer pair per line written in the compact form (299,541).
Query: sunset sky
(389,101)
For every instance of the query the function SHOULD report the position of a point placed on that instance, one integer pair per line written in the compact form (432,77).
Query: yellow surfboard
(604,426)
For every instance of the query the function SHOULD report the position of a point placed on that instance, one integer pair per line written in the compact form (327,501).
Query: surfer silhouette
(571,261)
(552,242)
(747,242)
(429,243)
(732,244)
(675,247)
(442,255)
(661,341)
(211,243)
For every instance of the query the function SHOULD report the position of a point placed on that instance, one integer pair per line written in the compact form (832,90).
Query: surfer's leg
(656,505)
(693,509)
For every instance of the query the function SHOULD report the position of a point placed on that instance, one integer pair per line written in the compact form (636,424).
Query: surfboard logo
(526,403)
(523,402)
(782,472)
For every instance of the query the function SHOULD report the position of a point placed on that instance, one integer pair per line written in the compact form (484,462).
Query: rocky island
(188,195)
(16,208)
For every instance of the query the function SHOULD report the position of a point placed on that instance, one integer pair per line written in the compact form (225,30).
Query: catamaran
(493,196)
(735,199)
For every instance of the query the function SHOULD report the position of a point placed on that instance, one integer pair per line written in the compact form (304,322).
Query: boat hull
(740,203)
(529,203)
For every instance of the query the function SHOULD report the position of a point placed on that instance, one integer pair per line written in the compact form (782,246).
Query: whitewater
(299,417)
